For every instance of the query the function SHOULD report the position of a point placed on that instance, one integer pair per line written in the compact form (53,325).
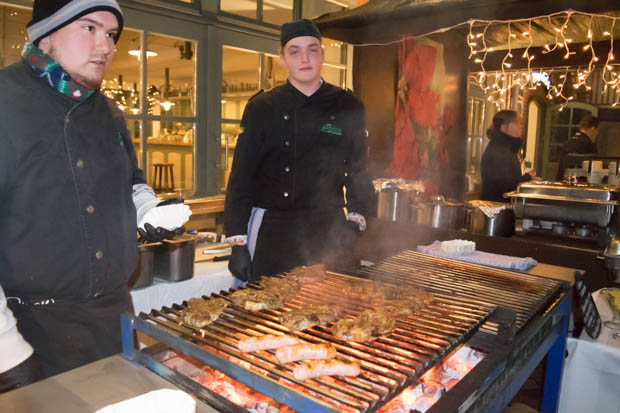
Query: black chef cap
(298,28)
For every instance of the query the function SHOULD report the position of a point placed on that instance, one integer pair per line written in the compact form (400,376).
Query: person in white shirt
(18,366)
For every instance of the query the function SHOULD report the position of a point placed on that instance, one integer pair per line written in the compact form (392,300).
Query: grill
(467,297)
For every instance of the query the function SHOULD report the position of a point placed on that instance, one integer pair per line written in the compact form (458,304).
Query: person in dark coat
(500,166)
(71,195)
(584,142)
(301,145)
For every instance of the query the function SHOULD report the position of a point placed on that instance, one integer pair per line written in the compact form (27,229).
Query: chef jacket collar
(298,99)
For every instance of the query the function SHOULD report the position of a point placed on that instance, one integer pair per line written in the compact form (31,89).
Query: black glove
(349,234)
(21,375)
(240,263)
(152,234)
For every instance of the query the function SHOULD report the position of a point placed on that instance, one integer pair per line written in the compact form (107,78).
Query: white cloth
(591,379)
(480,257)
(169,217)
(13,348)
(254,223)
(209,277)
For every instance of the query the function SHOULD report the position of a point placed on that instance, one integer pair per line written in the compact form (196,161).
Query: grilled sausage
(305,351)
(332,367)
(266,342)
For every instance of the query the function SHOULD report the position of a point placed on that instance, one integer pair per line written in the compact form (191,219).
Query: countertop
(87,389)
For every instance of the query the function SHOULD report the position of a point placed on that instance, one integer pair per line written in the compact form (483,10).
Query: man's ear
(44,44)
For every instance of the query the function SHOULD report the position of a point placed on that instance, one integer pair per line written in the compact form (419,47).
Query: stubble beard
(88,82)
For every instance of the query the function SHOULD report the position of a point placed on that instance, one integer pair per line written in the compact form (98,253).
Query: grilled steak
(332,367)
(286,288)
(308,316)
(266,342)
(347,329)
(393,307)
(364,289)
(201,312)
(255,300)
(367,325)
(305,351)
(305,275)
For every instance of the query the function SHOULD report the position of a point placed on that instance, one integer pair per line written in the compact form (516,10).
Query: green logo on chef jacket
(331,129)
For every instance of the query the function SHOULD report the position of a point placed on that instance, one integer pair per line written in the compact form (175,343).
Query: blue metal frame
(554,347)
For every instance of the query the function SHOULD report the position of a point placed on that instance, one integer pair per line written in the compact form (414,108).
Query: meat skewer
(266,342)
(305,351)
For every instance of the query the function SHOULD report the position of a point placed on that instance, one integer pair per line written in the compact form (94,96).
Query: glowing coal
(441,378)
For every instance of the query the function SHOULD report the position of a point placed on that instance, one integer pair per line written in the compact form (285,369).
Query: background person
(584,141)
(301,144)
(71,192)
(500,166)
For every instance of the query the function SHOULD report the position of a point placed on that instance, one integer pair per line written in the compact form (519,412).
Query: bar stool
(163,171)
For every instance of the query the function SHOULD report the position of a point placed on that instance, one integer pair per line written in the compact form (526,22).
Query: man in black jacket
(301,144)
(584,141)
(71,192)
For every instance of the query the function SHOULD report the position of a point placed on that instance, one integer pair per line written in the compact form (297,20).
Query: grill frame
(269,386)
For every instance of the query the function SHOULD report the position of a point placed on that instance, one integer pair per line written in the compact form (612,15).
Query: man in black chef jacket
(71,192)
(301,144)
(584,142)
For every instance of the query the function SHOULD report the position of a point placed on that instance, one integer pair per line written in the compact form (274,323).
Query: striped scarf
(52,73)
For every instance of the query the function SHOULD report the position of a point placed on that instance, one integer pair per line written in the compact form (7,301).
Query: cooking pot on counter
(437,213)
(394,197)
(174,260)
(143,275)
(494,219)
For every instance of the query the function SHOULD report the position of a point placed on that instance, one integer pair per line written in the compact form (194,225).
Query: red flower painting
(420,131)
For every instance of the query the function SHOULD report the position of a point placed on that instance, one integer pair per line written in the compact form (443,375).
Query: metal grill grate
(464,296)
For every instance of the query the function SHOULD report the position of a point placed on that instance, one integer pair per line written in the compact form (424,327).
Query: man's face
(84,48)
(303,57)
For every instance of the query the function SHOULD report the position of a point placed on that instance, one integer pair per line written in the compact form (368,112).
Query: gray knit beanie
(51,15)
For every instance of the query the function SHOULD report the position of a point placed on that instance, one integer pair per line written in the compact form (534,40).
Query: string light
(498,84)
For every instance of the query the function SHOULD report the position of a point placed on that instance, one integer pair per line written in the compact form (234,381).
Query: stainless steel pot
(143,275)
(393,204)
(500,224)
(174,260)
(437,213)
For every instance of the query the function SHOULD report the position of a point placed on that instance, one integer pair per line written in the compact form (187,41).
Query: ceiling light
(137,53)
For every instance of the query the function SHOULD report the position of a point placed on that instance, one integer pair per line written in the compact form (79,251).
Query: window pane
(579,114)
(171,76)
(230,133)
(559,135)
(245,8)
(240,78)
(134,125)
(314,8)
(560,117)
(277,12)
(335,51)
(13,32)
(122,80)
(333,75)
(275,74)
(170,144)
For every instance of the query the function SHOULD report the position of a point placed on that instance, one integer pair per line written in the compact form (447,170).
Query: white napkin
(484,258)
(157,401)
(169,217)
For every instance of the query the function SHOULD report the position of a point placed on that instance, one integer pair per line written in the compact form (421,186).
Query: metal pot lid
(578,192)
